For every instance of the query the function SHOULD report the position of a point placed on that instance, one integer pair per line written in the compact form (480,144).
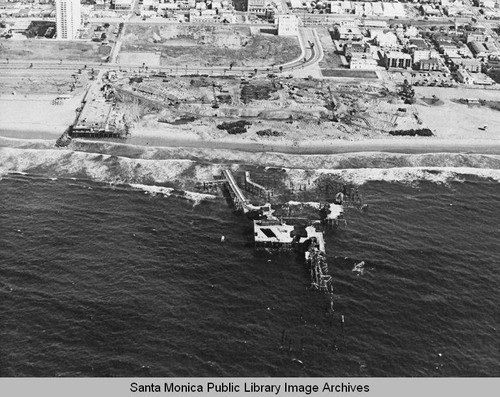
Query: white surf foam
(312,204)
(153,190)
(440,175)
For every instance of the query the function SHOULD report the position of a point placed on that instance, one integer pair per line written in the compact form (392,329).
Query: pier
(255,188)
(271,232)
(98,115)
(239,200)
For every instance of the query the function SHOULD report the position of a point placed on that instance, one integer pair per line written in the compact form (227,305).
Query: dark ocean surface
(105,280)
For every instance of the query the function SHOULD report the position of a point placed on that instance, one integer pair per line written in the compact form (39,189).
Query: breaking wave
(141,174)
(116,163)
(196,198)
(98,167)
(408,175)
(312,204)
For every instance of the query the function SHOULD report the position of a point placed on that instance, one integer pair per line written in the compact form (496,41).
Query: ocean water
(105,279)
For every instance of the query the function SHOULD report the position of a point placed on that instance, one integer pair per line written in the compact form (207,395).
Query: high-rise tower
(68,19)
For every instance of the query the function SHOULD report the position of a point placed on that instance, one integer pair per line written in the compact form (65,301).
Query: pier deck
(239,199)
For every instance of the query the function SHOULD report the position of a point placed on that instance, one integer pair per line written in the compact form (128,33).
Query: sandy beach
(34,116)
(455,127)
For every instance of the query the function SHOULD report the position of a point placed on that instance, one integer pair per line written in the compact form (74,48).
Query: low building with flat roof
(257,7)
(363,62)
(471,65)
(348,33)
(463,76)
(397,60)
(288,25)
(429,65)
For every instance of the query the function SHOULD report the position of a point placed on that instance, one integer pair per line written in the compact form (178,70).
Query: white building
(363,62)
(464,76)
(68,19)
(288,25)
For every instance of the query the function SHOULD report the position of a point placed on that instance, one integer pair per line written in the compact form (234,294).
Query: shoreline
(413,145)
(403,145)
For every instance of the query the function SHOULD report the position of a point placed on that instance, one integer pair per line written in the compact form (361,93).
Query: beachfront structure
(68,19)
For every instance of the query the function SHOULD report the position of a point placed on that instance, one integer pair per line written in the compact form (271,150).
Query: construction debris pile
(316,108)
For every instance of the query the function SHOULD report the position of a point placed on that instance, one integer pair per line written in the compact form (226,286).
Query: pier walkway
(239,199)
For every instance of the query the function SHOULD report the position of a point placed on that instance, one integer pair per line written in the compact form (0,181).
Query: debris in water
(359,268)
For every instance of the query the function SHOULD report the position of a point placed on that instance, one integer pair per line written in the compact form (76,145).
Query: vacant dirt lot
(37,81)
(210,45)
(47,50)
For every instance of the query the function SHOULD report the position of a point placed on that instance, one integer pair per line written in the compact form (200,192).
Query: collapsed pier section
(272,232)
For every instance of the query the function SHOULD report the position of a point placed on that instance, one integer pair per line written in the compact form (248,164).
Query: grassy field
(349,73)
(210,45)
(331,60)
(47,50)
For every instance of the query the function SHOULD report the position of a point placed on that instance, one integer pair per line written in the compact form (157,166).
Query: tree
(407,92)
